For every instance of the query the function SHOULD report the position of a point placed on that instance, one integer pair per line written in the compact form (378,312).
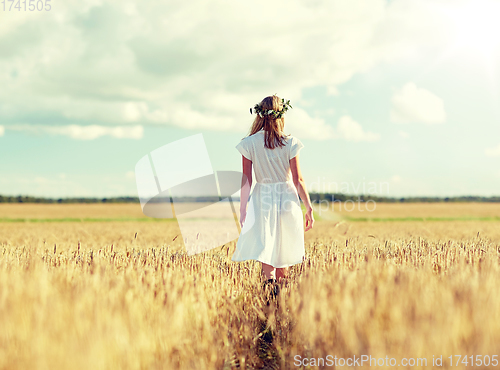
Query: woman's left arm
(246,185)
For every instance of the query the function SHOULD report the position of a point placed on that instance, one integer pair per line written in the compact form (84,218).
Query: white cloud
(195,64)
(413,104)
(350,130)
(300,124)
(41,180)
(404,134)
(2,130)
(74,185)
(492,152)
(130,175)
(89,132)
(396,179)
(332,90)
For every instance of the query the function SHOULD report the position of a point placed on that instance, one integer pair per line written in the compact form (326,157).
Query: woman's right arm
(246,185)
(300,184)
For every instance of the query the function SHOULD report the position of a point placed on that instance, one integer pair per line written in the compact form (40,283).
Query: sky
(394,98)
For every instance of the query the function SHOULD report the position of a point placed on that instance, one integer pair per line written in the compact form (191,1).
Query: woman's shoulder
(248,141)
(291,138)
(259,135)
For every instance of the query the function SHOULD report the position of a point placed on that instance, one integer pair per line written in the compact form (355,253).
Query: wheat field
(103,287)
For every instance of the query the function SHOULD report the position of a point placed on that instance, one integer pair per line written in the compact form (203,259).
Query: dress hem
(277,267)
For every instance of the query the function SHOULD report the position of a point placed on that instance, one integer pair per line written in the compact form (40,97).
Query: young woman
(272,227)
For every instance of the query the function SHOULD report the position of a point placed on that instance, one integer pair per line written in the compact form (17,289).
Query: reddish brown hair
(273,127)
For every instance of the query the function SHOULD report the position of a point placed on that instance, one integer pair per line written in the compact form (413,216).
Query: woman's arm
(246,185)
(300,184)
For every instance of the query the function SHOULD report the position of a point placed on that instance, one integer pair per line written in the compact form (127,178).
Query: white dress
(273,230)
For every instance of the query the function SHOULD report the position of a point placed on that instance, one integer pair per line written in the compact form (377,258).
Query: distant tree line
(331,197)
(315,198)
(30,199)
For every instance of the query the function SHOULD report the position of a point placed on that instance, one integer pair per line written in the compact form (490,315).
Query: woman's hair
(273,127)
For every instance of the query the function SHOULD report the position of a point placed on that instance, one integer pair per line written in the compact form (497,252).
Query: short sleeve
(243,149)
(295,147)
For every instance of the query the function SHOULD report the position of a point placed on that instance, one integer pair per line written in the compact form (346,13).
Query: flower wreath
(277,114)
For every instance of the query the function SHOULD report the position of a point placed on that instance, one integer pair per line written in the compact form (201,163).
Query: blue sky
(400,98)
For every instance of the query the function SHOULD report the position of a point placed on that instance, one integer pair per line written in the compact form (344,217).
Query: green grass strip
(387,219)
(87,219)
